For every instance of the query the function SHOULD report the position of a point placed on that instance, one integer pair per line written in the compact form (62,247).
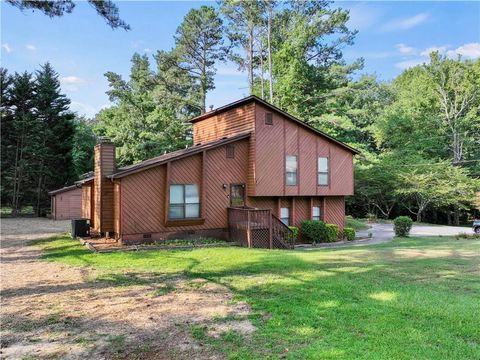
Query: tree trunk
(456,217)
(261,72)
(449,218)
(419,216)
(250,60)
(435,216)
(269,35)
(457,148)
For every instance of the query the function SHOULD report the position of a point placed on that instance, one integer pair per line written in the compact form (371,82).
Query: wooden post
(270,230)
(249,235)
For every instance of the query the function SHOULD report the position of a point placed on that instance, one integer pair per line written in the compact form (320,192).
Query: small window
(285,215)
(291,170)
(230,151)
(322,171)
(268,118)
(316,213)
(184,202)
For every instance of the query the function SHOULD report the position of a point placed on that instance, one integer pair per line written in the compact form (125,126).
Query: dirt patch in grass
(50,310)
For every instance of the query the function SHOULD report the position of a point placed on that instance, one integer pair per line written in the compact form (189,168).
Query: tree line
(418,134)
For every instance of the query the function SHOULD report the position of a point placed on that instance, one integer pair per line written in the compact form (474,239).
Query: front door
(237,195)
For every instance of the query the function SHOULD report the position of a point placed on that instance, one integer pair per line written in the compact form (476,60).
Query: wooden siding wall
(284,137)
(334,210)
(86,201)
(116,208)
(226,124)
(144,195)
(103,187)
(68,205)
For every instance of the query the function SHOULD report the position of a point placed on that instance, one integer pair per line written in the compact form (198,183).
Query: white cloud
(409,63)
(469,51)
(404,49)
(86,109)
(71,83)
(7,48)
(363,16)
(440,49)
(407,23)
(147,50)
(30,47)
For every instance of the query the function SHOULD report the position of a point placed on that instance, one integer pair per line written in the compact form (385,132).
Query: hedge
(294,236)
(349,234)
(331,232)
(402,225)
(313,231)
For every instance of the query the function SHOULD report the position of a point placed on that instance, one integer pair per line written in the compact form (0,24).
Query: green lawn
(415,298)
(356,224)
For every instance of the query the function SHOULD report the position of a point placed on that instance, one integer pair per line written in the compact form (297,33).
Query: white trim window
(285,215)
(322,168)
(184,202)
(291,167)
(316,213)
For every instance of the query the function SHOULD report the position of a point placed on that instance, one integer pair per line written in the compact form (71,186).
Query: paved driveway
(384,232)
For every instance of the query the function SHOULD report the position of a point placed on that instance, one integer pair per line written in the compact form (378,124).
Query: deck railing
(258,228)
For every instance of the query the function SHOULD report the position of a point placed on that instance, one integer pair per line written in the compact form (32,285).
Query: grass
(410,298)
(356,224)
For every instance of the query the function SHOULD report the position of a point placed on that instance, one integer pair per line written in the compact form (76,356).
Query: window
(268,118)
(285,215)
(322,171)
(291,170)
(184,202)
(230,151)
(316,213)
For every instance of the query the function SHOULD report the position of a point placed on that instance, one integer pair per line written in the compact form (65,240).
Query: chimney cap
(103,140)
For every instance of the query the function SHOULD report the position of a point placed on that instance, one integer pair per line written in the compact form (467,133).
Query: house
(252,170)
(66,203)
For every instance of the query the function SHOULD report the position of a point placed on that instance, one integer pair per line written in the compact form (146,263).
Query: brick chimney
(103,193)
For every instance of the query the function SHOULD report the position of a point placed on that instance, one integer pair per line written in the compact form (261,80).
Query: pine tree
(54,166)
(199,44)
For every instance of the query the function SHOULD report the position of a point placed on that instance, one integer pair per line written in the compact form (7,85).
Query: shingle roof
(274,108)
(175,155)
(66,188)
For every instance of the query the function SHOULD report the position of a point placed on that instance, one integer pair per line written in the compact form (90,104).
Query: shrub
(292,239)
(313,231)
(468,236)
(402,225)
(371,217)
(349,234)
(331,232)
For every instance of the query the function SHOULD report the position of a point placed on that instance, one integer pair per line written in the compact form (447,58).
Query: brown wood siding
(68,205)
(285,137)
(144,195)
(86,201)
(334,211)
(116,208)
(226,124)
(103,187)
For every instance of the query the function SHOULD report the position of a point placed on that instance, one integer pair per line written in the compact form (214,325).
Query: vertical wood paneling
(103,193)
(68,204)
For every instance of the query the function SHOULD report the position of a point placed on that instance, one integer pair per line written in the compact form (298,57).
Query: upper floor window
(230,151)
(184,202)
(268,118)
(316,213)
(285,215)
(291,170)
(322,171)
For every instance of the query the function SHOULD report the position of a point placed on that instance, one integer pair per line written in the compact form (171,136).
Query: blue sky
(81,47)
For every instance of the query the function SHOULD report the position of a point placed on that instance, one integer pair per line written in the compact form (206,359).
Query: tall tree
(456,86)
(54,167)
(270,4)
(55,8)
(244,20)
(199,43)
(82,147)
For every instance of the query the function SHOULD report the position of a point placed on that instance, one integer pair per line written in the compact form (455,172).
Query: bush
(468,236)
(292,239)
(349,234)
(313,231)
(371,217)
(331,232)
(402,225)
